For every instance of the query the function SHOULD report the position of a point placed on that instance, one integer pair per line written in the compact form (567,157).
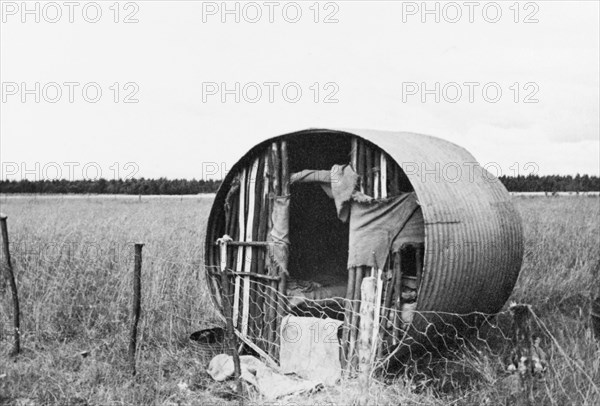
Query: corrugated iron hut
(309,214)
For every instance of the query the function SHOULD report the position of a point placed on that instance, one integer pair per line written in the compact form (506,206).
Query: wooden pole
(377,312)
(387,304)
(267,278)
(263,236)
(13,287)
(360,170)
(389,290)
(398,296)
(383,171)
(276,169)
(285,191)
(369,171)
(240,251)
(348,317)
(258,204)
(228,313)
(355,316)
(376,174)
(249,257)
(273,290)
(354,154)
(232,231)
(272,316)
(136,306)
(595,317)
(260,219)
(347,332)
(378,330)
(367,314)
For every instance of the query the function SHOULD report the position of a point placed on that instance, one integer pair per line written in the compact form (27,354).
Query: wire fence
(425,350)
(446,353)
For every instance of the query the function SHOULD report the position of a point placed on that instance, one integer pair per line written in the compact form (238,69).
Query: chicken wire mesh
(443,353)
(422,351)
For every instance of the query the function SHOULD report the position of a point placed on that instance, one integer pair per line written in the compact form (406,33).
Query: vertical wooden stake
(348,317)
(13,287)
(274,191)
(355,318)
(228,313)
(367,314)
(377,311)
(376,174)
(398,297)
(241,249)
(383,170)
(386,310)
(360,164)
(259,232)
(285,191)
(136,307)
(248,257)
(354,154)
(369,171)
(595,317)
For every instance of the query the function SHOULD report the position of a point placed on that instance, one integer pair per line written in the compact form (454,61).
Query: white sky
(368,54)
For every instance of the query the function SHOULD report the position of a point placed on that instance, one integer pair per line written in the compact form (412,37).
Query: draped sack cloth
(413,231)
(310,348)
(269,383)
(375,225)
(343,183)
(279,237)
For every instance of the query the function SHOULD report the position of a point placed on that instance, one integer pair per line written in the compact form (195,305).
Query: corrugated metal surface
(473,234)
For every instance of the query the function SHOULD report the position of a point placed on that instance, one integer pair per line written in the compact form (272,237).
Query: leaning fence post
(13,286)
(228,313)
(136,307)
(367,316)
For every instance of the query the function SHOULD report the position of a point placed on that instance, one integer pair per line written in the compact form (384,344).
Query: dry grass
(73,263)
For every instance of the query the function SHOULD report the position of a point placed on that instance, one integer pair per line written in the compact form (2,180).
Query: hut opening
(302,218)
(319,239)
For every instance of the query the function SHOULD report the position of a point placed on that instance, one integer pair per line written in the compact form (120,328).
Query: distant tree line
(551,183)
(163,186)
(136,186)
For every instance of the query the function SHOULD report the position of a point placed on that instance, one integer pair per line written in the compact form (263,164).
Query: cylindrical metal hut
(306,209)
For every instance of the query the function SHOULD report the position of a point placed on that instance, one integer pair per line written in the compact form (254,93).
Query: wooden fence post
(136,306)
(595,317)
(367,322)
(13,287)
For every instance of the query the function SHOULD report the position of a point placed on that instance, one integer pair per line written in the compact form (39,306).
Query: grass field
(73,261)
